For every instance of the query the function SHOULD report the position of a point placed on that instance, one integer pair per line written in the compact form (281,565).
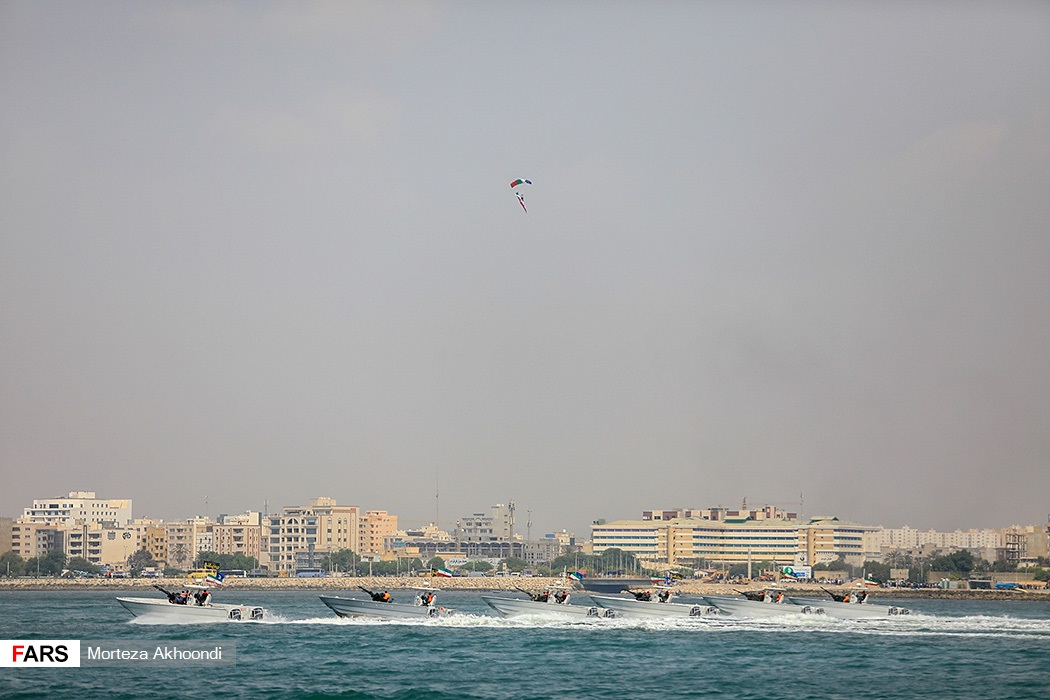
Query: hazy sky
(262,251)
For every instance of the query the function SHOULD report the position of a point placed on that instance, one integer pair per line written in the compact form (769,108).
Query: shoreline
(534,584)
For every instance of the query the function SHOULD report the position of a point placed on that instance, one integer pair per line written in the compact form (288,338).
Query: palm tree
(178,554)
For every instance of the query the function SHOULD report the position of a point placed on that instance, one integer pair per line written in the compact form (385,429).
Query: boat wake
(906,625)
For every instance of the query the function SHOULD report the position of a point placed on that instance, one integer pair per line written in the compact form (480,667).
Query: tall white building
(79,505)
(910,538)
(482,528)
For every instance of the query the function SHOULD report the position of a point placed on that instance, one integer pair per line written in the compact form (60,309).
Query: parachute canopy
(517,183)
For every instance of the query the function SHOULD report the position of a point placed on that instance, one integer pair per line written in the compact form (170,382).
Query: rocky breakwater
(326,583)
(493,583)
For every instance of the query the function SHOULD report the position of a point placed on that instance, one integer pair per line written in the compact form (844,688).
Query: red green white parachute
(518,194)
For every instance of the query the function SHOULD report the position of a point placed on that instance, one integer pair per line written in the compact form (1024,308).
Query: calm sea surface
(949,649)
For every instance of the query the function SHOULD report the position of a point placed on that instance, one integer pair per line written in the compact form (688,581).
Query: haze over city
(262,252)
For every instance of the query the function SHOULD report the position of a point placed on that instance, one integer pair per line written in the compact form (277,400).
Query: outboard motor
(257,613)
(235,614)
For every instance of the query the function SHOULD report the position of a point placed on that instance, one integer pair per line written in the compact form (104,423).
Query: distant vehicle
(150,574)
(1004,586)
(309,573)
(234,572)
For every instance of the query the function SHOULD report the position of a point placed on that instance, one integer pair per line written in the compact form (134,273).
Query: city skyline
(269,251)
(521,517)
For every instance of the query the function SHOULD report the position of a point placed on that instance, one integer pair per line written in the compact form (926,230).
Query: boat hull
(355,607)
(629,607)
(851,611)
(742,607)
(217,612)
(508,607)
(614,585)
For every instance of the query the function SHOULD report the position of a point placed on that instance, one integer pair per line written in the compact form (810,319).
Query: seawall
(494,583)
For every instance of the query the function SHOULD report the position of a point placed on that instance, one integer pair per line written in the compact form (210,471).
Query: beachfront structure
(238,534)
(5,535)
(183,539)
(1024,544)
(481,528)
(102,544)
(766,512)
(78,506)
(909,538)
(375,527)
(424,542)
(732,540)
(153,538)
(301,535)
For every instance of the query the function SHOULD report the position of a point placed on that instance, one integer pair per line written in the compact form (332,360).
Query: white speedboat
(508,607)
(422,607)
(774,603)
(632,607)
(195,608)
(853,605)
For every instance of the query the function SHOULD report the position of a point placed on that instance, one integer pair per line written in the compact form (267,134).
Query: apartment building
(99,544)
(183,540)
(911,538)
(301,535)
(78,506)
(5,535)
(375,527)
(737,539)
(238,534)
(497,526)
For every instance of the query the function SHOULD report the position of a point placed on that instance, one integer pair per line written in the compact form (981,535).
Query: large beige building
(79,506)
(909,538)
(301,535)
(376,526)
(184,541)
(5,535)
(107,546)
(730,540)
(238,534)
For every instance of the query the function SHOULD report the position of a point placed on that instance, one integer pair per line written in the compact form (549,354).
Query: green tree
(179,555)
(436,563)
(960,563)
(877,571)
(11,564)
(479,565)
(82,564)
(588,563)
(616,560)
(740,570)
(516,564)
(228,561)
(341,560)
(51,564)
(386,568)
(140,560)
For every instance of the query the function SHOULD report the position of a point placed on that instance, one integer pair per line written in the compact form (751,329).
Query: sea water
(945,649)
